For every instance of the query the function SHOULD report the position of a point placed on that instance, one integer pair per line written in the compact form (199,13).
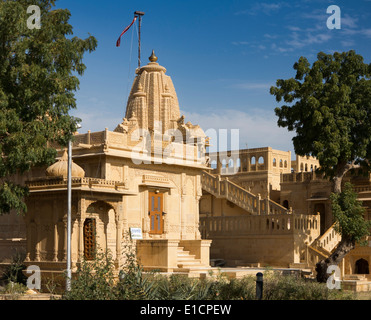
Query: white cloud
(96,120)
(257,128)
(349,21)
(299,40)
(265,7)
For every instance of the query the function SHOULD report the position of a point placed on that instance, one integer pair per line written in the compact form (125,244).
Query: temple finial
(153,57)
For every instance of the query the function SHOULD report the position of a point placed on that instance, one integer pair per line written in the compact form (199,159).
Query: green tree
(39,70)
(328,105)
(349,223)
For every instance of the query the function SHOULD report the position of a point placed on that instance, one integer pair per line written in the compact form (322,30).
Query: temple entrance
(156,204)
(361,267)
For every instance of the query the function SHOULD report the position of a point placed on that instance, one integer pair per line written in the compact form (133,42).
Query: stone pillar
(65,240)
(55,251)
(29,243)
(37,243)
(183,206)
(258,198)
(118,238)
(81,240)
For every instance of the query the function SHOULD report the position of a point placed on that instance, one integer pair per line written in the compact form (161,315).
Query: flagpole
(140,15)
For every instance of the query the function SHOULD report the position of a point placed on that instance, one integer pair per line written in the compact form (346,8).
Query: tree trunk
(345,244)
(335,258)
(337,184)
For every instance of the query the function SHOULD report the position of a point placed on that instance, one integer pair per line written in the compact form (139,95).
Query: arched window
(261,160)
(89,239)
(281,163)
(253,160)
(306,167)
(230,163)
(213,164)
(301,167)
(285,164)
(224,164)
(244,164)
(285,204)
(274,162)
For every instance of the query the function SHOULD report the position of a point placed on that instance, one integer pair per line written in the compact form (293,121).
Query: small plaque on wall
(136,233)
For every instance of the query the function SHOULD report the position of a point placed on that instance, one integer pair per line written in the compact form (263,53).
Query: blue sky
(222,55)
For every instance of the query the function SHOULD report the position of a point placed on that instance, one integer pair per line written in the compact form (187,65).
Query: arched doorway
(361,267)
(100,228)
(319,208)
(285,204)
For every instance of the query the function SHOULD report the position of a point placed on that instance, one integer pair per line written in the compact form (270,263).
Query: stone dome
(60,168)
(153,99)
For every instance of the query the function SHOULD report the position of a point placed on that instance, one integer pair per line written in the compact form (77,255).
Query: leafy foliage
(133,283)
(95,280)
(328,104)
(14,272)
(39,71)
(348,215)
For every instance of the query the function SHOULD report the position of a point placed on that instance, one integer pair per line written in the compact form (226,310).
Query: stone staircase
(187,263)
(221,187)
(321,248)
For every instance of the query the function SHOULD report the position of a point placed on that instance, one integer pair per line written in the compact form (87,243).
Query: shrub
(94,279)
(290,287)
(180,287)
(14,272)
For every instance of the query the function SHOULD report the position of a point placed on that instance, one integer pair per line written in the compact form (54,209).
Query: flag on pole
(123,32)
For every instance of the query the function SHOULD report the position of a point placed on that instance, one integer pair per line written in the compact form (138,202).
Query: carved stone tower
(153,100)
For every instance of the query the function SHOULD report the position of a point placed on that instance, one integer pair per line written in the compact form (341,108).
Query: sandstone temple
(249,208)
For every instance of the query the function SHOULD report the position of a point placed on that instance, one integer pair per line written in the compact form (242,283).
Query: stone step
(192,269)
(299,265)
(359,277)
(187,258)
(189,263)
(184,254)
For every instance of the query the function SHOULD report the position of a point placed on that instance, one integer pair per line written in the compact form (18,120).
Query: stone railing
(300,176)
(53,183)
(322,247)
(223,188)
(180,153)
(279,224)
(329,240)
(364,188)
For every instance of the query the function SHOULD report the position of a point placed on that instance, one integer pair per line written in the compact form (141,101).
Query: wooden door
(156,205)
